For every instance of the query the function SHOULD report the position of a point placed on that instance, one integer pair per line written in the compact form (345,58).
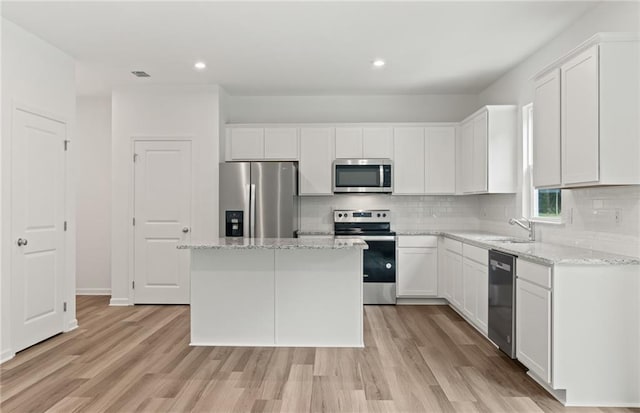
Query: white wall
(365,108)
(38,76)
(600,231)
(93,213)
(161,111)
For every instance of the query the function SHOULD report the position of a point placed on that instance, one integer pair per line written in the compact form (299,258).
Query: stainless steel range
(374,227)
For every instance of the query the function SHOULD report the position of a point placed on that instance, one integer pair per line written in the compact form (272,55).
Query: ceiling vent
(140,73)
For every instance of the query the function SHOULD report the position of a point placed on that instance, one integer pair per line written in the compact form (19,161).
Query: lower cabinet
(533,327)
(475,286)
(417,266)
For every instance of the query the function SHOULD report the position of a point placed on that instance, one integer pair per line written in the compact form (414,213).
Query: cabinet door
(457,291)
(417,272)
(580,136)
(482,297)
(281,143)
(247,143)
(446,280)
(377,143)
(349,143)
(469,287)
(533,328)
(408,162)
(440,160)
(466,140)
(316,157)
(480,153)
(546,131)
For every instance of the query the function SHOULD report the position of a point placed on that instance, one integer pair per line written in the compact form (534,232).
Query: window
(542,204)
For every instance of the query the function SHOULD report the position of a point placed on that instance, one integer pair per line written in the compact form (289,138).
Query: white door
(417,272)
(469,288)
(348,142)
(162,214)
(466,140)
(281,143)
(37,219)
(247,143)
(377,142)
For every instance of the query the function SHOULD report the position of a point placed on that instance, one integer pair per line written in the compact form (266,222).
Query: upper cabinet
(408,161)
(546,130)
(488,152)
(316,158)
(367,142)
(251,144)
(587,104)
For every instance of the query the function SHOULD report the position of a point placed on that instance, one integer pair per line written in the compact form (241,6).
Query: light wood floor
(121,359)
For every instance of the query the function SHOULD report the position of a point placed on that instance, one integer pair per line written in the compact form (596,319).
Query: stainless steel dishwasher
(502,295)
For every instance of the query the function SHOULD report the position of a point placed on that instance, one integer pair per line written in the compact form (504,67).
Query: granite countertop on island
(277,243)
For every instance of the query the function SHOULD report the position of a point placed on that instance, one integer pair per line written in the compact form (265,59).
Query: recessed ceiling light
(200,65)
(378,63)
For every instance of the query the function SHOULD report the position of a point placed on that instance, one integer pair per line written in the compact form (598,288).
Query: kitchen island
(277,292)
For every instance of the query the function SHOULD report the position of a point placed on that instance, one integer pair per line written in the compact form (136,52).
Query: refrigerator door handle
(247,209)
(253,211)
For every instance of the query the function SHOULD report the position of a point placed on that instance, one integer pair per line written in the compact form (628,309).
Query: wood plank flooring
(126,359)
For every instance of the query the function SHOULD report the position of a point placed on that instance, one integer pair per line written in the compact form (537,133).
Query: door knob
(22,242)
(185,229)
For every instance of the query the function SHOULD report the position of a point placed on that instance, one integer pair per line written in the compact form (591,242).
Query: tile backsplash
(408,212)
(602,218)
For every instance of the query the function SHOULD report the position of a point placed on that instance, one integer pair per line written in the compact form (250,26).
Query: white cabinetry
(257,143)
(451,281)
(316,157)
(281,144)
(246,143)
(533,318)
(366,142)
(488,150)
(424,160)
(440,160)
(475,288)
(597,112)
(546,131)
(408,161)
(417,266)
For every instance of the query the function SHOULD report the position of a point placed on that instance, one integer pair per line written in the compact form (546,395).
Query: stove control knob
(384,215)
(378,215)
(339,215)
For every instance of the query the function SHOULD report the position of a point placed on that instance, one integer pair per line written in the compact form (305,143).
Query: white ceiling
(297,48)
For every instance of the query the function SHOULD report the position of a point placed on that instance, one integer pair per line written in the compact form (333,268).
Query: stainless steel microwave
(363,175)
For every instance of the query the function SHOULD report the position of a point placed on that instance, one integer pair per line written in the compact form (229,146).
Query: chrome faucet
(524,223)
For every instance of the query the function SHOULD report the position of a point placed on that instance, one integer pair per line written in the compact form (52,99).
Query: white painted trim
(597,38)
(338,124)
(71,325)
(93,291)
(422,301)
(196,344)
(560,395)
(6,355)
(119,302)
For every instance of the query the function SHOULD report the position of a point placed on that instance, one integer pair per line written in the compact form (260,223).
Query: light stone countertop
(277,243)
(539,252)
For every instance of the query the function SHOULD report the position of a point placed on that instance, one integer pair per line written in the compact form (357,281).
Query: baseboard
(421,301)
(119,302)
(6,355)
(71,325)
(93,291)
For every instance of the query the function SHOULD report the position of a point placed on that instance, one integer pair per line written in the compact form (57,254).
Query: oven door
(380,259)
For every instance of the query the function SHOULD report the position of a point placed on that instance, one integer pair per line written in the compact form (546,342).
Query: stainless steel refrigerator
(258,199)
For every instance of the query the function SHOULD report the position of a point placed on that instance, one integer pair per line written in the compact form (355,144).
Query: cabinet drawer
(453,245)
(417,241)
(535,273)
(479,255)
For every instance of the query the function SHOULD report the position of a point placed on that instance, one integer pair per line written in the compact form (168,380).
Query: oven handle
(369,237)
